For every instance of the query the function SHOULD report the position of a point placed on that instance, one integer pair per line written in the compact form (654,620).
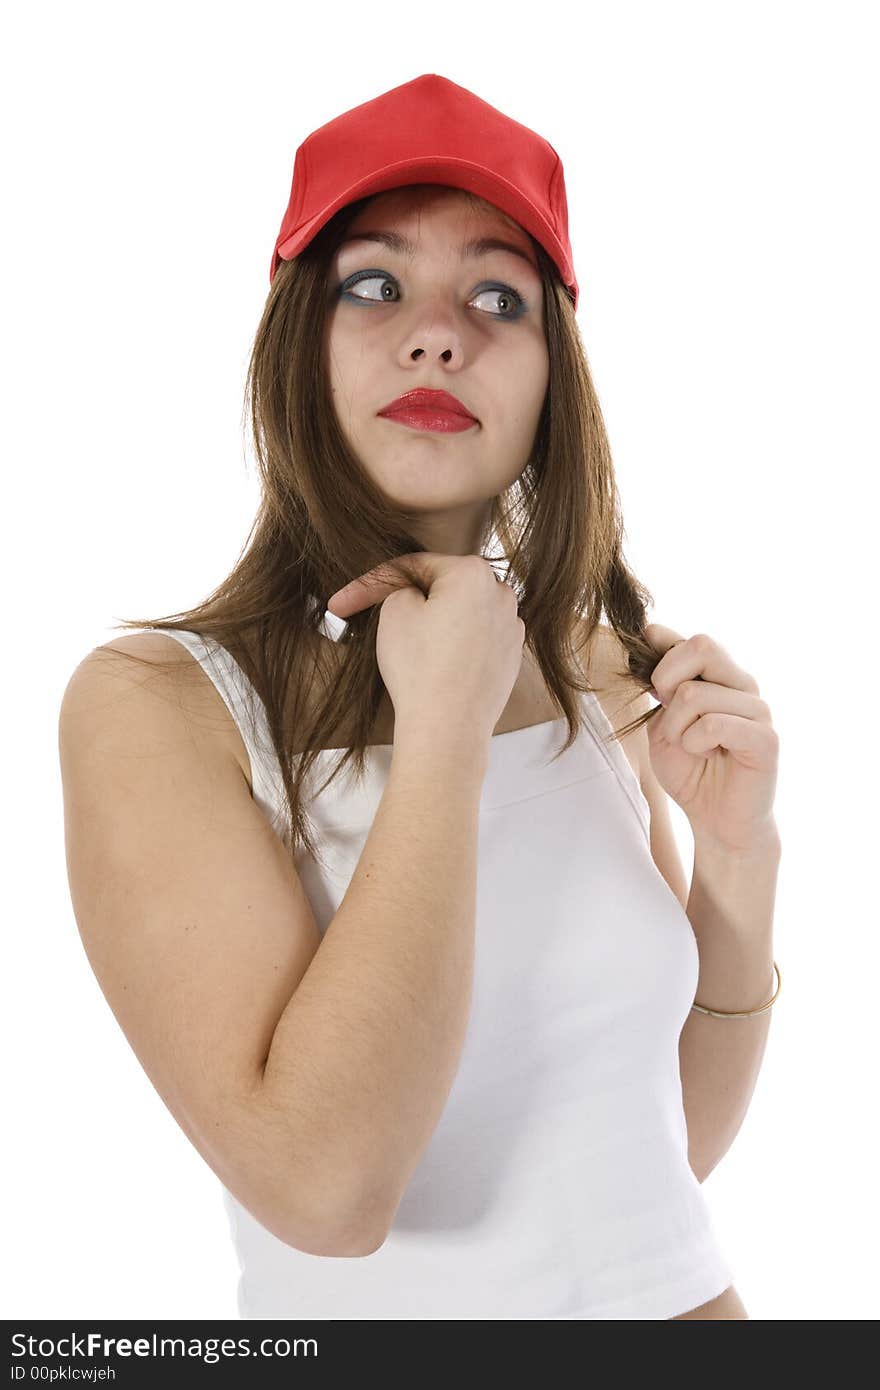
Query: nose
(419,352)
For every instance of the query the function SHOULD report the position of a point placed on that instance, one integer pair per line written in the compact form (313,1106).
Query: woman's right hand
(453,655)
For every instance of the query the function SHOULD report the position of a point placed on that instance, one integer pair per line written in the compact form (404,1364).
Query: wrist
(765,847)
(455,750)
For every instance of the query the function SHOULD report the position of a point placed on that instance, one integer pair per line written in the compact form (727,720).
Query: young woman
(403,947)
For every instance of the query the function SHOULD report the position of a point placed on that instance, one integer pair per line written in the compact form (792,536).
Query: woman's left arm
(730,907)
(714,750)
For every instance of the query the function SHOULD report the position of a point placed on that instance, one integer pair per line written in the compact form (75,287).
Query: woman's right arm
(309,1073)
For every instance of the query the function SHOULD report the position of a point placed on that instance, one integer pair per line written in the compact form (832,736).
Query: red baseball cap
(429,130)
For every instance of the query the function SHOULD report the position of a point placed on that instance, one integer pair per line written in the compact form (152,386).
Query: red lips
(428,400)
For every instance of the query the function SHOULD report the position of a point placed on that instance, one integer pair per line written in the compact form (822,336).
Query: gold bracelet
(720,1013)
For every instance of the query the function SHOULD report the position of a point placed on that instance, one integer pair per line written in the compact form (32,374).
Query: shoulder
(137,669)
(619,694)
(149,650)
(150,662)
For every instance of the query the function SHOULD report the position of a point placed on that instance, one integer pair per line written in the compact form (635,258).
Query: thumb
(421,568)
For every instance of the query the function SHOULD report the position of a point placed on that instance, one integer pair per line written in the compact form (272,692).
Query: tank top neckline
(534,743)
(546,724)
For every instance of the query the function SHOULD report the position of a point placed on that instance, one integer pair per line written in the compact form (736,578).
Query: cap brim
(475,178)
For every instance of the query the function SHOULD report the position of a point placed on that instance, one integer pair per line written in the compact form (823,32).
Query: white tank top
(556,1184)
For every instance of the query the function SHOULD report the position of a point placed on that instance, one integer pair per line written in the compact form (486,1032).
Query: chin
(430,501)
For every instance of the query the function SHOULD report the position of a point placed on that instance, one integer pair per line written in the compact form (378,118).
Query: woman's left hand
(713,747)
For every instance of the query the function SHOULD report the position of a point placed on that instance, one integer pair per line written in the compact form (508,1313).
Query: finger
(662,637)
(694,658)
(382,580)
(753,744)
(356,595)
(696,700)
(427,566)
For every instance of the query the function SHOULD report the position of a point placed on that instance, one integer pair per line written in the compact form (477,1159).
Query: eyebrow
(481,246)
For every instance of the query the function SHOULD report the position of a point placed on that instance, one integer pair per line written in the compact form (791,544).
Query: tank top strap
(331,626)
(601,728)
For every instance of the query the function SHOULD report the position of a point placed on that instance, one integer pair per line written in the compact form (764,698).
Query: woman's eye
(511,303)
(368,280)
(506,298)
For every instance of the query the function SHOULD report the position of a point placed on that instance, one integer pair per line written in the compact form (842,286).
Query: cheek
(527,387)
(344,368)
(532,369)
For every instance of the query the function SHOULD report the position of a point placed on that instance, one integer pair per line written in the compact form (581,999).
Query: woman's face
(438,318)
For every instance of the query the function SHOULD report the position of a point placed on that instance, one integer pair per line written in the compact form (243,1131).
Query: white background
(720,161)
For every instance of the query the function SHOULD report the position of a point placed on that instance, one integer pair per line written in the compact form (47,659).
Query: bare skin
(728,1305)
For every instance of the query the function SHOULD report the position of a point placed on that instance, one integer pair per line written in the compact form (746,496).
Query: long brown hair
(321,521)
